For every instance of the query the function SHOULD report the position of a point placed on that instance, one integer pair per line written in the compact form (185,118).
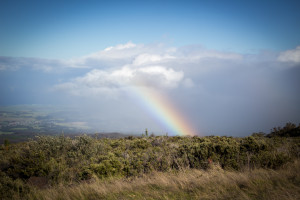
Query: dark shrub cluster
(289,130)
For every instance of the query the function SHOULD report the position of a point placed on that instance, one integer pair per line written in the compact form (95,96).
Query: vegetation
(151,167)
(290,130)
(214,183)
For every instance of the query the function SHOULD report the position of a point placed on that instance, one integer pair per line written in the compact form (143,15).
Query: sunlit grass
(214,183)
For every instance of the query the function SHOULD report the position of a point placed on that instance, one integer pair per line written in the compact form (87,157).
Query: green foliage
(289,130)
(10,188)
(63,160)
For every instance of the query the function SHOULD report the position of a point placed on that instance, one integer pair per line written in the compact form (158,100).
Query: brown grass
(214,183)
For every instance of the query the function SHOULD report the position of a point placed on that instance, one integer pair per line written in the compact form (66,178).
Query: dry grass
(190,184)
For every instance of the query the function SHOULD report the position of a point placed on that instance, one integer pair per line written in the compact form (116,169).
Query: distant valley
(20,122)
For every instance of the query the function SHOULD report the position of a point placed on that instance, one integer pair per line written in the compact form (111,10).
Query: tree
(146,132)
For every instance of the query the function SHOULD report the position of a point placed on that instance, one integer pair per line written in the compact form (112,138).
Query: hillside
(213,183)
(86,167)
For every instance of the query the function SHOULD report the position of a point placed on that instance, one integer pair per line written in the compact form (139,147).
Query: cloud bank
(219,92)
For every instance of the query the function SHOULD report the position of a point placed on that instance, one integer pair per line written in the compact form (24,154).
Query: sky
(214,67)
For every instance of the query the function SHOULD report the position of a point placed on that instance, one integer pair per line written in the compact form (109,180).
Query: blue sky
(230,67)
(66,29)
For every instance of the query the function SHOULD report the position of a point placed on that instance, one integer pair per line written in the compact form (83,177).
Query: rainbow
(161,108)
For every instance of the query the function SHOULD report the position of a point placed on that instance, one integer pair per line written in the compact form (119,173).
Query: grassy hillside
(161,167)
(213,183)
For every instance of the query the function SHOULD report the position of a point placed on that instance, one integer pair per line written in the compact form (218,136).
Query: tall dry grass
(214,183)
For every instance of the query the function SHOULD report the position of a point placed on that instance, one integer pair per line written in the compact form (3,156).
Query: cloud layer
(219,92)
(155,66)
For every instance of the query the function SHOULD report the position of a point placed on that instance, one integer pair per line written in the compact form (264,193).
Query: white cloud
(290,55)
(100,81)
(121,46)
(155,66)
(158,76)
(118,52)
(145,59)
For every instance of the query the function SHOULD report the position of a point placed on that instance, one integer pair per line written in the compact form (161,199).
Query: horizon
(176,67)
